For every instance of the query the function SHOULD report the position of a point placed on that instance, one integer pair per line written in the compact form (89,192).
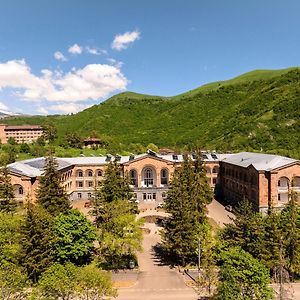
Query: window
(89,195)
(148,173)
(144,196)
(90,173)
(80,174)
(21,190)
(90,183)
(133,177)
(214,156)
(175,157)
(164,176)
(154,196)
(79,195)
(214,180)
(164,195)
(215,170)
(278,184)
(99,173)
(278,197)
(80,184)
(204,156)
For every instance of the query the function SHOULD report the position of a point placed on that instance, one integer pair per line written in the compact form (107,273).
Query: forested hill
(259,110)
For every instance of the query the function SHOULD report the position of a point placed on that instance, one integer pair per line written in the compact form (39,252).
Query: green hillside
(259,110)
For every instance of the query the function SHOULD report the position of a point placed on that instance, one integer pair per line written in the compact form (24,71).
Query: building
(92,142)
(262,178)
(20,133)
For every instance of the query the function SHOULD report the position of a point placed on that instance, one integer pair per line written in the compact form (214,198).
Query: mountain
(258,110)
(6,114)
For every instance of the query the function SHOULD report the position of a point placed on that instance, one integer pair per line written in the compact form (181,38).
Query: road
(156,281)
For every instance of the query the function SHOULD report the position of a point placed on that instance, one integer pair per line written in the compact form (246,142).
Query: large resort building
(20,133)
(266,180)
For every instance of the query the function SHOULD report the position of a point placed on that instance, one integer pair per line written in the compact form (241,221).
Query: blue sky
(61,56)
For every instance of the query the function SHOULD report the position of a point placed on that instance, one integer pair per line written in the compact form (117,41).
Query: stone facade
(21,134)
(232,177)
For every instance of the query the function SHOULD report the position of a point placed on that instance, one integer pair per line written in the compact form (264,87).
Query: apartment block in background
(21,133)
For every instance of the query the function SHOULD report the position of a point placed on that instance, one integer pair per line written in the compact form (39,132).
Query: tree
(73,140)
(74,237)
(247,230)
(242,277)
(59,282)
(290,227)
(11,141)
(10,235)
(13,282)
(120,235)
(94,284)
(119,231)
(50,132)
(7,197)
(37,241)
(50,193)
(24,148)
(186,202)
(114,186)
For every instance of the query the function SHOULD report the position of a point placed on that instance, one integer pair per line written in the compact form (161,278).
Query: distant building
(263,179)
(21,133)
(92,142)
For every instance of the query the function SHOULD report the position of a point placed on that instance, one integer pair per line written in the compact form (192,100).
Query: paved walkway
(217,212)
(156,281)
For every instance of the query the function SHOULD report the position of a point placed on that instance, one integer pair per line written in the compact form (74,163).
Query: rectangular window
(144,196)
(90,183)
(80,183)
(154,196)
(278,197)
(214,180)
(79,195)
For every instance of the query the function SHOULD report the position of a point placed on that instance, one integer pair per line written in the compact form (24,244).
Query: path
(156,281)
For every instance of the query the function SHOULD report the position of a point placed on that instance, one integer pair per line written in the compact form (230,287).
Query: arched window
(164,176)
(89,173)
(296,182)
(21,191)
(79,173)
(215,170)
(99,173)
(148,177)
(133,177)
(283,183)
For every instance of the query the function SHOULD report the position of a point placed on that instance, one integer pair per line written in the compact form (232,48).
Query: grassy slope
(257,110)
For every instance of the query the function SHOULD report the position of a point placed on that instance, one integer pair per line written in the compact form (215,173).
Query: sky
(62,56)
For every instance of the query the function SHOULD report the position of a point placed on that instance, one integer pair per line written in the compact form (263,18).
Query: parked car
(160,205)
(229,208)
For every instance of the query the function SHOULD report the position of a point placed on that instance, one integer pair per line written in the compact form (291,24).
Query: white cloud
(75,49)
(93,82)
(59,56)
(3,106)
(122,41)
(68,108)
(42,110)
(118,64)
(95,51)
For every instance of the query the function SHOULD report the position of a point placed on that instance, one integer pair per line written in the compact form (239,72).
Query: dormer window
(175,157)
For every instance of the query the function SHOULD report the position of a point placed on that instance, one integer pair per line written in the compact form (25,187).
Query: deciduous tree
(243,277)
(75,235)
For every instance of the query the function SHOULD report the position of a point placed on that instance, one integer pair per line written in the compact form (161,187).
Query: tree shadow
(161,257)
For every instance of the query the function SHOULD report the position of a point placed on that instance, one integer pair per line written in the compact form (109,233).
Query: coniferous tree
(119,231)
(186,202)
(8,202)
(247,230)
(114,185)
(37,241)
(290,226)
(50,194)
